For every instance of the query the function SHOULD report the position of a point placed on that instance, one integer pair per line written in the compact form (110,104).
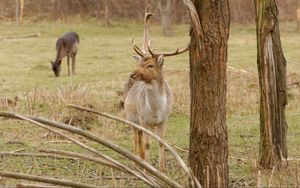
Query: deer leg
(135,141)
(141,145)
(73,63)
(161,134)
(68,59)
(147,148)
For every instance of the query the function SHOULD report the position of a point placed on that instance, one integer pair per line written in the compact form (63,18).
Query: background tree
(166,16)
(298,16)
(208,154)
(272,78)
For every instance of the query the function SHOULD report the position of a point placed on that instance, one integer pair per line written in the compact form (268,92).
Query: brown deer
(148,97)
(66,45)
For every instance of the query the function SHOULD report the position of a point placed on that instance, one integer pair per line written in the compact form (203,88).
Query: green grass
(103,64)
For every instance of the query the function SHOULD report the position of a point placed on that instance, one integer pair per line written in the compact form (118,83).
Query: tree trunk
(298,17)
(208,58)
(17,13)
(272,78)
(165,8)
(21,11)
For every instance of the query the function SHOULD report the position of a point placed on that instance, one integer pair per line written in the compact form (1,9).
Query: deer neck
(155,94)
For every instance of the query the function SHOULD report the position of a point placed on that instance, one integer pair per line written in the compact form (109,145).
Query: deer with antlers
(147,96)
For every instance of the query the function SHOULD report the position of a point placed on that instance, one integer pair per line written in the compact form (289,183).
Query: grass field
(28,86)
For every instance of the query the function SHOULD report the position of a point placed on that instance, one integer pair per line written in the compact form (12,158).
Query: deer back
(67,45)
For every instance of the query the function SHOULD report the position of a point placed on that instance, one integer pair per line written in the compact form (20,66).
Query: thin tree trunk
(298,17)
(21,11)
(208,58)
(272,78)
(165,8)
(17,13)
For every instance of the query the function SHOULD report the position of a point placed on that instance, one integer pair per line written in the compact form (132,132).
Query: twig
(17,150)
(237,181)
(161,141)
(21,36)
(23,185)
(178,148)
(113,178)
(271,177)
(258,184)
(45,180)
(59,142)
(34,155)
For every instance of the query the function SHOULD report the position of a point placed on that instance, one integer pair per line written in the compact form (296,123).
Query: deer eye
(150,66)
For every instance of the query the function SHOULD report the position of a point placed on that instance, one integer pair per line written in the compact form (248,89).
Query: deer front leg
(161,134)
(68,59)
(73,64)
(147,147)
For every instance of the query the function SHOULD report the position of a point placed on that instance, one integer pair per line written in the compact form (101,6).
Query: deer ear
(51,62)
(160,60)
(137,58)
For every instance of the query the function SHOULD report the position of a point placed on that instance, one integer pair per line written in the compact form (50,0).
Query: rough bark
(208,58)
(272,78)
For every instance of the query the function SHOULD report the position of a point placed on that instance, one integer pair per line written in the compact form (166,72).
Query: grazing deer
(148,97)
(66,45)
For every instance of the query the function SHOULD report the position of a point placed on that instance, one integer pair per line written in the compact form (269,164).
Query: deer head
(149,63)
(56,67)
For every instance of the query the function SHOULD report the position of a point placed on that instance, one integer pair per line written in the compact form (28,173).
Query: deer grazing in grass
(148,97)
(66,45)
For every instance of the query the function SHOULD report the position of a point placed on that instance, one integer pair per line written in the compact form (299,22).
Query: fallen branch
(45,180)
(161,141)
(22,36)
(81,156)
(42,123)
(35,155)
(23,185)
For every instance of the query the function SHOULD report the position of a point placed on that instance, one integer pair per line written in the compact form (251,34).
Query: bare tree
(208,155)
(272,78)
(166,16)
(17,13)
(298,16)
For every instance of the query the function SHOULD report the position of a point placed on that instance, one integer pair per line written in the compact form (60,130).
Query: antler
(146,43)
(167,54)
(146,29)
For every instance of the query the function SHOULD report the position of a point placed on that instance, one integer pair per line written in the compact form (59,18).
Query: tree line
(242,11)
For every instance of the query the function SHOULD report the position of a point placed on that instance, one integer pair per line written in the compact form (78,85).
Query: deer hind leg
(141,145)
(73,64)
(161,134)
(68,62)
(135,146)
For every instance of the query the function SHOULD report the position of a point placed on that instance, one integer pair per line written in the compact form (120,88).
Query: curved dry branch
(161,141)
(40,122)
(45,180)
(195,21)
